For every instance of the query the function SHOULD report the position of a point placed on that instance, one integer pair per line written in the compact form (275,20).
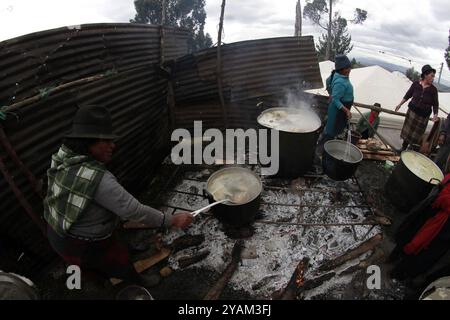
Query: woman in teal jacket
(341,98)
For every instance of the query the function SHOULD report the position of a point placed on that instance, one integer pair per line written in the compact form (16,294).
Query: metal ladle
(196,212)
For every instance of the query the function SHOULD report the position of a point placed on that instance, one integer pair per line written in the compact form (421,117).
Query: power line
(411,61)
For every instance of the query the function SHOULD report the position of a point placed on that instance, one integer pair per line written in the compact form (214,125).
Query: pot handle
(439,181)
(208,195)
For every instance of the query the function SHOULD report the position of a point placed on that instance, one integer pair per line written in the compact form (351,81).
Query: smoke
(297,101)
(302,103)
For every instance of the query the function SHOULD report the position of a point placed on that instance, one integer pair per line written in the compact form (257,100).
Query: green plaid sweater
(72,182)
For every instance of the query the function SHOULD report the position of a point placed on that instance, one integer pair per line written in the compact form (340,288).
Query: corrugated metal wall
(114,65)
(253,71)
(241,114)
(122,59)
(250,69)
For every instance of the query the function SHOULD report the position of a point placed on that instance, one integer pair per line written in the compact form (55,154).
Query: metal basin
(336,163)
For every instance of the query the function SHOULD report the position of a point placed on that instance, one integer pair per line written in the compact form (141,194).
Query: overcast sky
(412,29)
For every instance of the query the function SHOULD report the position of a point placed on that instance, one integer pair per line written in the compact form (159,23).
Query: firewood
(144,264)
(384,221)
(352,254)
(380,152)
(215,292)
(184,262)
(297,280)
(263,282)
(165,272)
(186,241)
(376,255)
(314,283)
(368,156)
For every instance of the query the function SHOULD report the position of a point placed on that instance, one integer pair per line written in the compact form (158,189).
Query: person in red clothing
(425,236)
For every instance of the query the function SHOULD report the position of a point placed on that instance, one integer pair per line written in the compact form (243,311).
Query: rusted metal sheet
(250,69)
(33,63)
(125,55)
(241,114)
(121,60)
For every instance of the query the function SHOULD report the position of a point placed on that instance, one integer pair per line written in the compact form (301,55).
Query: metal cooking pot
(299,131)
(243,187)
(134,292)
(412,180)
(333,162)
(12,287)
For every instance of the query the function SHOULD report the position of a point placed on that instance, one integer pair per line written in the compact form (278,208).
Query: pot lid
(238,184)
(292,120)
(422,167)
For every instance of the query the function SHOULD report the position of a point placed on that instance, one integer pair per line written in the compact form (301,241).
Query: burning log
(184,262)
(215,292)
(352,254)
(297,280)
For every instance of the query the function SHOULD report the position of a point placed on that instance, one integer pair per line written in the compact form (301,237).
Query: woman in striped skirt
(424,100)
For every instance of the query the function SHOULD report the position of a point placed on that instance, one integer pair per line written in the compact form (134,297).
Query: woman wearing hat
(424,100)
(84,201)
(341,98)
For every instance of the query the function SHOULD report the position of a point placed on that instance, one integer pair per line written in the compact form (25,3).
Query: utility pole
(219,66)
(328,52)
(298,20)
(161,33)
(164,12)
(440,73)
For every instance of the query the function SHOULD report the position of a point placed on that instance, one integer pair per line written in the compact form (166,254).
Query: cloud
(416,29)
(19,17)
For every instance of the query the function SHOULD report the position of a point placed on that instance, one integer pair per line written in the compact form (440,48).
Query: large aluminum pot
(336,163)
(298,133)
(243,187)
(14,287)
(412,180)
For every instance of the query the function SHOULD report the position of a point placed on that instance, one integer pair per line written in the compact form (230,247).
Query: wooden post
(163,23)
(298,19)
(219,66)
(330,20)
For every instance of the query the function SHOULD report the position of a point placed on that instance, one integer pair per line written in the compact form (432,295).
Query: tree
(412,74)
(340,40)
(356,64)
(447,52)
(187,14)
(336,26)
